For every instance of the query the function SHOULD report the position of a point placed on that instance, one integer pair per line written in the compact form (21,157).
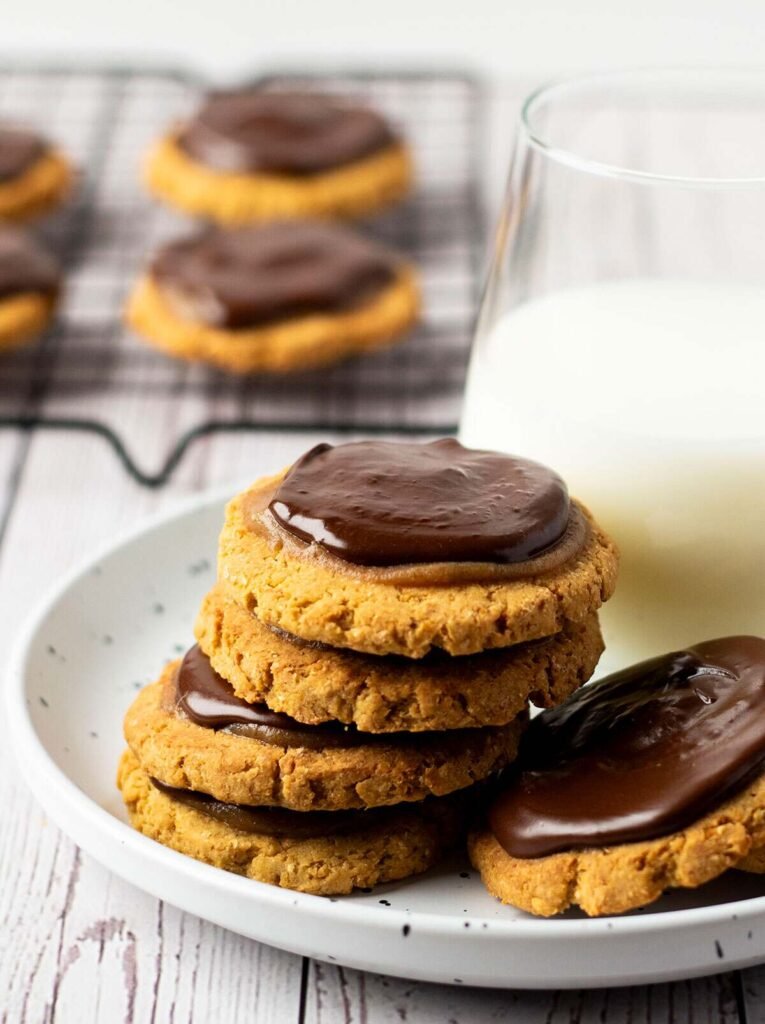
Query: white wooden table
(79,945)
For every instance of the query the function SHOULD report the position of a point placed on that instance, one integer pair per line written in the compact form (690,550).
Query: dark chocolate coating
(276,821)
(25,265)
(258,275)
(19,149)
(639,755)
(209,700)
(284,133)
(379,503)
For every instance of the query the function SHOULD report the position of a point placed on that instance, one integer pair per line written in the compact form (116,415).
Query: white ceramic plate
(109,628)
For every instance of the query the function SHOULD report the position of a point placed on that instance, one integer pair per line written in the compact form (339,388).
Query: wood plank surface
(337,995)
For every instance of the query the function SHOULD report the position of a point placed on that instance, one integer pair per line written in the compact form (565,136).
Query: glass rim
(576,161)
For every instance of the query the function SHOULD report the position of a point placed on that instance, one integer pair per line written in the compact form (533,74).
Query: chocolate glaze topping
(25,266)
(640,754)
(19,149)
(209,700)
(276,821)
(287,133)
(258,275)
(378,503)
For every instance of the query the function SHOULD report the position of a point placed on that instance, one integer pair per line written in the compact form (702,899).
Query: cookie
(315,683)
(274,298)
(29,288)
(647,780)
(34,176)
(465,605)
(754,861)
(615,879)
(380,846)
(255,155)
(339,770)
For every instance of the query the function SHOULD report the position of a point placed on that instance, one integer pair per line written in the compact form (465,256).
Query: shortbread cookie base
(41,188)
(242,770)
(23,318)
(322,599)
(619,878)
(354,190)
(410,841)
(319,684)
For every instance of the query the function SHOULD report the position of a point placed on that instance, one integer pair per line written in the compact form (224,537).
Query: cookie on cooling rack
(29,287)
(275,297)
(34,176)
(253,155)
(648,780)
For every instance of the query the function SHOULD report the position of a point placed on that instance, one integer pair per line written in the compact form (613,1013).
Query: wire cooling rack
(91,373)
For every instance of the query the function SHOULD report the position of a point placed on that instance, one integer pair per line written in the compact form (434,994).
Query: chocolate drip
(259,275)
(25,266)
(640,754)
(377,503)
(286,133)
(209,700)
(19,149)
(276,821)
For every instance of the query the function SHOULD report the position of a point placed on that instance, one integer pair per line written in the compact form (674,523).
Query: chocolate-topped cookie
(308,852)
(29,286)
(276,297)
(438,546)
(253,154)
(316,683)
(190,731)
(282,133)
(19,150)
(371,503)
(656,770)
(34,176)
(276,272)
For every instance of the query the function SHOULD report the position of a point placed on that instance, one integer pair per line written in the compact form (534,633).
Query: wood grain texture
(753,995)
(337,995)
(76,943)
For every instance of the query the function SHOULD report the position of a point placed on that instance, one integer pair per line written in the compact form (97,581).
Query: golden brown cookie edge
(298,343)
(381,695)
(406,845)
(354,190)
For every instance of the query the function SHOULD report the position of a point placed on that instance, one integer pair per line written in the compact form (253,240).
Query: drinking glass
(621,338)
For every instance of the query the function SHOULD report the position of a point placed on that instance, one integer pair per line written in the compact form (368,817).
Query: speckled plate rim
(525,953)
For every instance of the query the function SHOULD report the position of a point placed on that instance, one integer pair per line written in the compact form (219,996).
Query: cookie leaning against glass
(350,768)
(275,298)
(651,779)
(35,177)
(254,155)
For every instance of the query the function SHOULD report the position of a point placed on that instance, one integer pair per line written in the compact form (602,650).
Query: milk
(648,396)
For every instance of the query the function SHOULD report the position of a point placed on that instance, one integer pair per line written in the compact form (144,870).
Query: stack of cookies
(383,615)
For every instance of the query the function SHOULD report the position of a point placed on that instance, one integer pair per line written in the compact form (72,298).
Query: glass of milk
(622,337)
